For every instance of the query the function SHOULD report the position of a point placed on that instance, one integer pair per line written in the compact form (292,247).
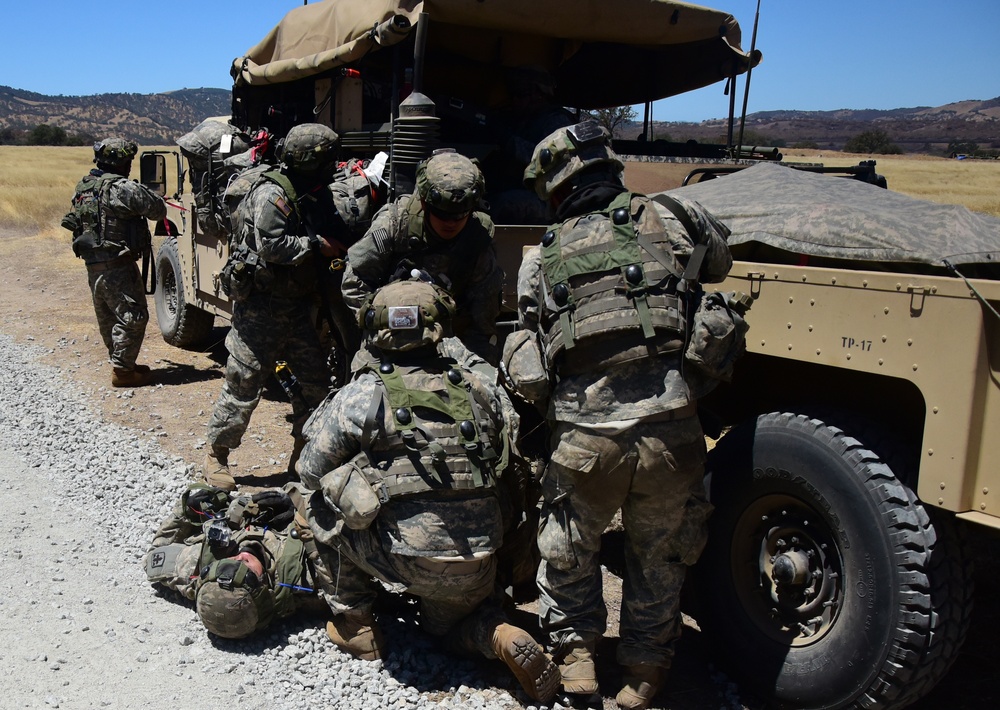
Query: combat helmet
(449,183)
(114,150)
(406,315)
(232,600)
(309,149)
(567,152)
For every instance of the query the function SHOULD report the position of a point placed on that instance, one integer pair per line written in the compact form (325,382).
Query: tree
(962,148)
(875,140)
(44,134)
(614,118)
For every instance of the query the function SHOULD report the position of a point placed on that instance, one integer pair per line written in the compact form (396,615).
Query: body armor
(611,293)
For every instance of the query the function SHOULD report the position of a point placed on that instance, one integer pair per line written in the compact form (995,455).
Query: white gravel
(82,628)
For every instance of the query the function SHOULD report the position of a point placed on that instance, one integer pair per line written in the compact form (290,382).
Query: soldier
(110,233)
(408,461)
(243,560)
(440,230)
(289,223)
(601,299)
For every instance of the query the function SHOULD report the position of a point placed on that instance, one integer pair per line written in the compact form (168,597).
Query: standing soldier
(409,461)
(288,224)
(601,298)
(110,233)
(440,230)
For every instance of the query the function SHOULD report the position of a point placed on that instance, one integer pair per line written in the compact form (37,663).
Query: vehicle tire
(181,324)
(825,582)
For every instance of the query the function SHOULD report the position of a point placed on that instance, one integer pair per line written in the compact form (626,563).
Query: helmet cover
(450,183)
(406,315)
(565,153)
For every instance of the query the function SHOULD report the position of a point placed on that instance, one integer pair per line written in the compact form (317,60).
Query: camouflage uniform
(411,539)
(624,436)
(274,321)
(115,282)
(468,264)
(176,558)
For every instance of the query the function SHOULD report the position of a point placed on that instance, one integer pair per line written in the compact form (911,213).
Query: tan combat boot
(642,682)
(137,377)
(215,469)
(577,670)
(536,673)
(357,633)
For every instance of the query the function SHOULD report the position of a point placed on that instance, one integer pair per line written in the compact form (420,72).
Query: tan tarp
(602,52)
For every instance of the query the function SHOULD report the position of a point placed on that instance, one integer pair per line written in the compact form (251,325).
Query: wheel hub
(790,568)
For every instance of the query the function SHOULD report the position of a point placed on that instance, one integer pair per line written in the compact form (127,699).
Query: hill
(159,119)
(922,129)
(150,119)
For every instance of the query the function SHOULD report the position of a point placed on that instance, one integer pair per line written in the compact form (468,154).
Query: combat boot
(357,633)
(215,469)
(136,377)
(533,669)
(642,682)
(576,668)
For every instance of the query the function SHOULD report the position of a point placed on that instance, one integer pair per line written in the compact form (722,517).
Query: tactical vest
(105,229)
(610,292)
(260,276)
(442,438)
(462,252)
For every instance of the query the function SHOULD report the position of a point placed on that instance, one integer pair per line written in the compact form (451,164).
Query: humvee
(853,441)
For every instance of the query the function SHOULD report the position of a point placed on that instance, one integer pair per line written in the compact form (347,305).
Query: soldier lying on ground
(242,559)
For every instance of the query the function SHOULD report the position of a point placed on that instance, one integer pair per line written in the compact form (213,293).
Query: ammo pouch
(718,333)
(86,241)
(239,275)
(137,238)
(346,489)
(523,367)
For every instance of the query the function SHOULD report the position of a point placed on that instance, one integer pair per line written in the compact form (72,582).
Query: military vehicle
(853,444)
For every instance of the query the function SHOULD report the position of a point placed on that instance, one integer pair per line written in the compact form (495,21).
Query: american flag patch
(283,206)
(382,242)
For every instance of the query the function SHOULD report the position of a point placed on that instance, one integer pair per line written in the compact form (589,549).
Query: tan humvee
(855,433)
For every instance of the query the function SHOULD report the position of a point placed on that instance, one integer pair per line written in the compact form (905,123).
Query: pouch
(523,367)
(346,490)
(718,334)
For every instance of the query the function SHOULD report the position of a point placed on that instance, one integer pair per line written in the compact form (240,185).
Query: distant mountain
(150,119)
(159,119)
(916,130)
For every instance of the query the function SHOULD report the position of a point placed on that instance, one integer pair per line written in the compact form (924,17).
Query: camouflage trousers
(653,472)
(458,601)
(266,329)
(120,304)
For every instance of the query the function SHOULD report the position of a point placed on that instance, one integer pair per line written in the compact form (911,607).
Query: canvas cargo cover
(797,212)
(601,53)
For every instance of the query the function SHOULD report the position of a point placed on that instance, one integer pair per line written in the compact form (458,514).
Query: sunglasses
(448,216)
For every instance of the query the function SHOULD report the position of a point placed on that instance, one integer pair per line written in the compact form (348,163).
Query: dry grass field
(36,183)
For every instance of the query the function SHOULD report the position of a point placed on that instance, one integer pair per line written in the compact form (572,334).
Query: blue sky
(818,54)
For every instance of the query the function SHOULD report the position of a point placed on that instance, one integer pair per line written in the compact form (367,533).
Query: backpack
(85,220)
(355,197)
(210,171)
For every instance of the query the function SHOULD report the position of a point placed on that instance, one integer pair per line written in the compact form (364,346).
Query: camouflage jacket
(177,549)
(274,227)
(468,263)
(125,206)
(640,388)
(445,523)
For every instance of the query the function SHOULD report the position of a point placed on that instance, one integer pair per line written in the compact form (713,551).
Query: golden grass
(972,183)
(36,182)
